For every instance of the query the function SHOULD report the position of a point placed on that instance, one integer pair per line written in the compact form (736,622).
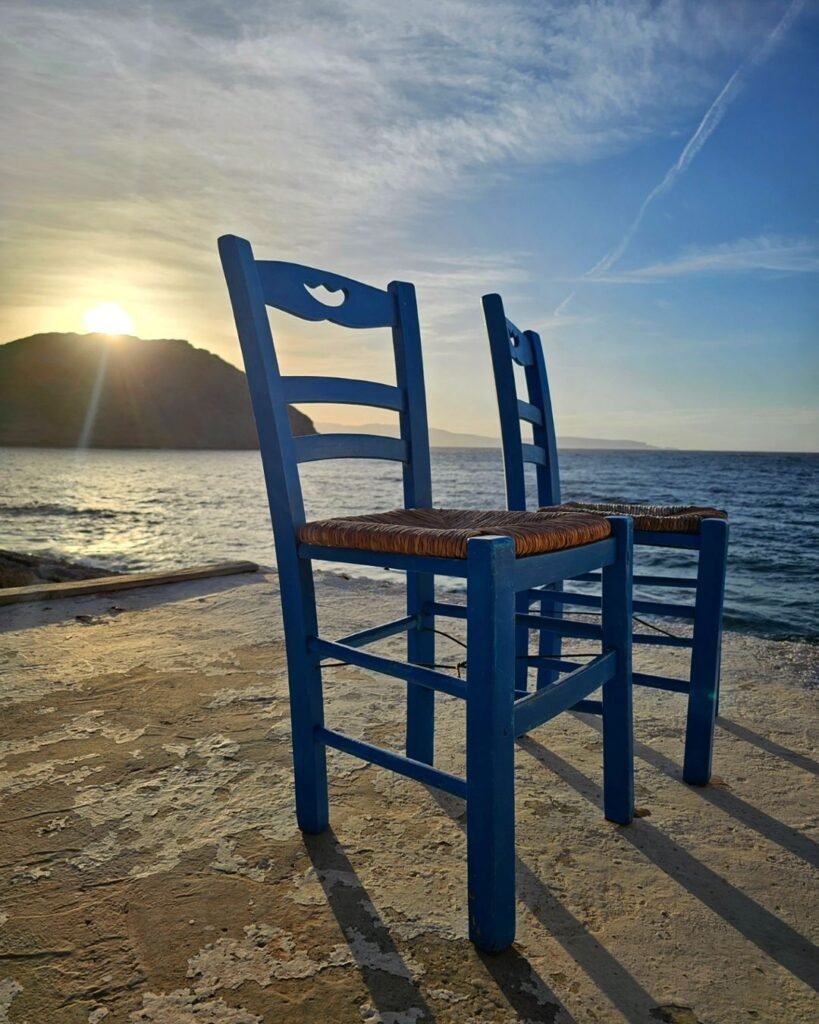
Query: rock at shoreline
(18,570)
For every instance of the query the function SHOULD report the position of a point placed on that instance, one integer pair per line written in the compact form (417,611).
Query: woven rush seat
(660,518)
(444,532)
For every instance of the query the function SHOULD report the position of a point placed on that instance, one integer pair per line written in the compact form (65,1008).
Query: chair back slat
(509,345)
(286,286)
(533,454)
(313,447)
(342,391)
(529,413)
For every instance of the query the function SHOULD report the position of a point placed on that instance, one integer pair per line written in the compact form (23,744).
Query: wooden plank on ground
(105,584)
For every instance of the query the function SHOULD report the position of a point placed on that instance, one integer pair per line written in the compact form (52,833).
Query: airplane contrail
(561,306)
(704,130)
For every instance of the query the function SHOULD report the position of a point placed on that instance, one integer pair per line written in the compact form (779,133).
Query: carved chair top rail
(290,286)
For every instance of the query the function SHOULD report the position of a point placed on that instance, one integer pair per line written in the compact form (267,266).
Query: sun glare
(108,318)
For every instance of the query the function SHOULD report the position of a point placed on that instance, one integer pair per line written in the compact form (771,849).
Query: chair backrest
(255,284)
(510,345)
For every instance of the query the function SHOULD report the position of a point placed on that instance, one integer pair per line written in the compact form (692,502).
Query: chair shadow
(523,988)
(770,828)
(393,990)
(607,973)
(391,986)
(769,746)
(767,932)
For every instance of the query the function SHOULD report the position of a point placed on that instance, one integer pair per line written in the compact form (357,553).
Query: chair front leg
(618,741)
(306,696)
(420,743)
(703,693)
(490,751)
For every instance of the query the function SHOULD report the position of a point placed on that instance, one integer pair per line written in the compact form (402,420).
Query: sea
(143,510)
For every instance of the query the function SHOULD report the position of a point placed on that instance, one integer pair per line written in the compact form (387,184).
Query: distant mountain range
(63,390)
(448,439)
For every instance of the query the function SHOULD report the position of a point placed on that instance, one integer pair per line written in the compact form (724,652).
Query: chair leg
(420,742)
(490,750)
(705,653)
(306,698)
(549,644)
(618,742)
(719,676)
(522,607)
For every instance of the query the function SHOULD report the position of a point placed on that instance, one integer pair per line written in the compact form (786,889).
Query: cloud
(318,121)
(746,255)
(331,132)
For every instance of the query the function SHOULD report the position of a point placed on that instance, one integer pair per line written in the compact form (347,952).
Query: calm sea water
(146,509)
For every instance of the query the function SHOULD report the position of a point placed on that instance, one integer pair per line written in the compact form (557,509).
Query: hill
(69,390)
(448,439)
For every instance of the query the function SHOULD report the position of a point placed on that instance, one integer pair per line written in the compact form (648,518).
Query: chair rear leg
(490,751)
(705,654)
(618,742)
(549,644)
(306,698)
(420,744)
(522,606)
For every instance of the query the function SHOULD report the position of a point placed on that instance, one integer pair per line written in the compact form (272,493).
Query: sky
(638,179)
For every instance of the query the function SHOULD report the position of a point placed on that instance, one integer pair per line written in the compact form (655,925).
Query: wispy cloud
(702,134)
(746,255)
(327,131)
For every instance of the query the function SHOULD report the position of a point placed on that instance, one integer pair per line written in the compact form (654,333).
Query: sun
(108,318)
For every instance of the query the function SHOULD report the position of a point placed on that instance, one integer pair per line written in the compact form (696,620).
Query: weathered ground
(151,871)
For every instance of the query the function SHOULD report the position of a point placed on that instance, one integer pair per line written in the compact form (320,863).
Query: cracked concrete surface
(152,872)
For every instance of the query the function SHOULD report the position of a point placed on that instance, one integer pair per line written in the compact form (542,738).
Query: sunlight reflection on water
(150,509)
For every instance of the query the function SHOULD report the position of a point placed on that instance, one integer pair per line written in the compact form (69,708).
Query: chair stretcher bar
(544,704)
(426,677)
(668,608)
(369,636)
(394,762)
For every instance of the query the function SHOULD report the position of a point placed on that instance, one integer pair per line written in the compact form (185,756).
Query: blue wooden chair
(498,555)
(704,530)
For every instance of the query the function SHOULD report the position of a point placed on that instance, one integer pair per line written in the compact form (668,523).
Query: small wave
(116,563)
(768,627)
(45,509)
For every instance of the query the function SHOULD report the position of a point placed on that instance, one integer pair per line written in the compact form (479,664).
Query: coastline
(145,769)
(194,509)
